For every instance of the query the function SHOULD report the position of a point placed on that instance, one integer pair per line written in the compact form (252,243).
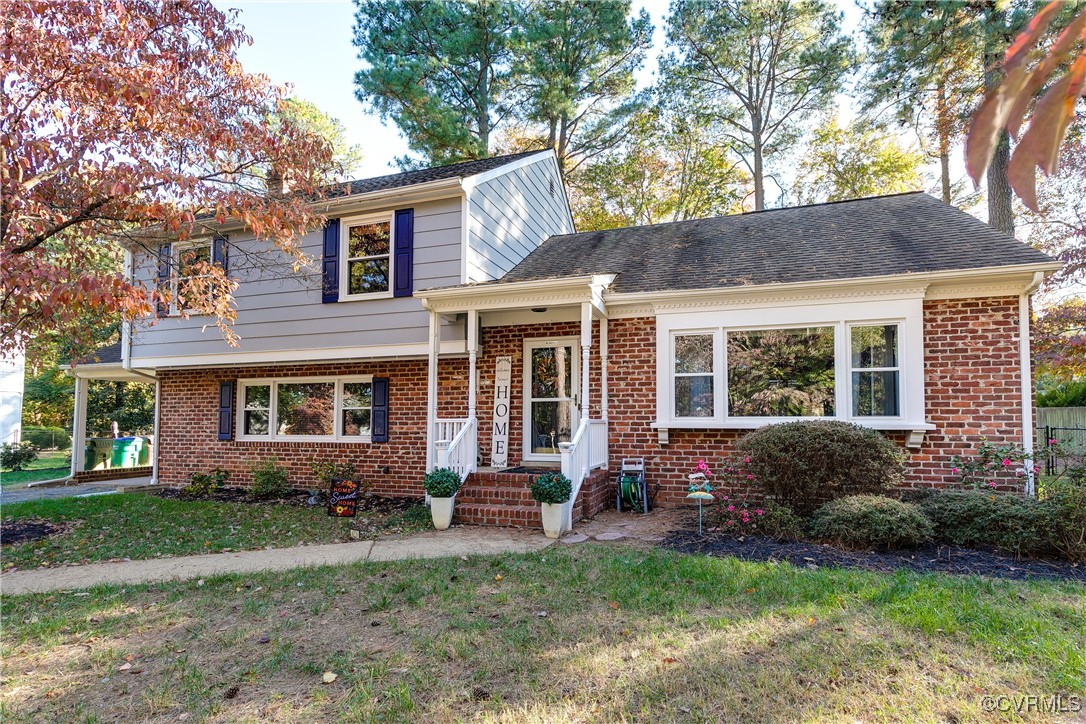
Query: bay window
(743,368)
(305,409)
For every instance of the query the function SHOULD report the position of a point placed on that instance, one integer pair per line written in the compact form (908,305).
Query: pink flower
(724,497)
(746,460)
(991,484)
(750,477)
(759,511)
(731,522)
(1007,462)
(954,471)
(1053,441)
(731,508)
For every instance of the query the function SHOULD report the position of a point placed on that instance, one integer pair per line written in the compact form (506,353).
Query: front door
(550,398)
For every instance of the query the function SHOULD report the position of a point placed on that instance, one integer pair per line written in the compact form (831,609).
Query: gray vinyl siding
(278,310)
(512,214)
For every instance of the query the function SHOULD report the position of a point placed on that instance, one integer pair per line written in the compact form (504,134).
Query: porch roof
(105,363)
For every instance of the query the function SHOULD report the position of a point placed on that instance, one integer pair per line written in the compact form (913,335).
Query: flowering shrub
(737,515)
(989,463)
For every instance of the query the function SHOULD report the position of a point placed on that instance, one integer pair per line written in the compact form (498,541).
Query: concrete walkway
(76,490)
(432,544)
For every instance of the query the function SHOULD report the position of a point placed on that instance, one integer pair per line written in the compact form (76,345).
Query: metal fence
(1073,442)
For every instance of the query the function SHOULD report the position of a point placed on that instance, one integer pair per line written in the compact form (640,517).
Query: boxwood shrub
(552,488)
(805,464)
(871,521)
(1064,506)
(975,518)
(441,483)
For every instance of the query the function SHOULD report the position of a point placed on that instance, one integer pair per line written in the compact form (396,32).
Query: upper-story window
(184,282)
(366,245)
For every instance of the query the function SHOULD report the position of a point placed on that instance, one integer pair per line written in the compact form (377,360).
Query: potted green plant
(553,491)
(441,485)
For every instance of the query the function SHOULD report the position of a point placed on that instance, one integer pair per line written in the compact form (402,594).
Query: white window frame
(906,313)
(176,249)
(273,413)
(718,358)
(345,258)
(899,369)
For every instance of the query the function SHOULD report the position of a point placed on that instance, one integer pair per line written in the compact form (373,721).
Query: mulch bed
(22,531)
(926,559)
(300,498)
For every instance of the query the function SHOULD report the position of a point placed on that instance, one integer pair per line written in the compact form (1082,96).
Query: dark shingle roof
(108,355)
(424,175)
(877,236)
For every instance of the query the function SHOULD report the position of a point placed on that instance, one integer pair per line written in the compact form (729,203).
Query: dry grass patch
(591,633)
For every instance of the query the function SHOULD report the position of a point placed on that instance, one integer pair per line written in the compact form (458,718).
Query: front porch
(530,396)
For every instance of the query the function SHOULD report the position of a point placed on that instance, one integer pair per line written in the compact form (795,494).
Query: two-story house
(458,320)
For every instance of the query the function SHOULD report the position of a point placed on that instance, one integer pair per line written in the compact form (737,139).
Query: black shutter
(165,261)
(219,253)
(330,267)
(379,419)
(226,410)
(404,253)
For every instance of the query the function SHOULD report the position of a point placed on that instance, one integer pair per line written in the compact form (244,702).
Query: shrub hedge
(47,438)
(871,521)
(805,464)
(975,518)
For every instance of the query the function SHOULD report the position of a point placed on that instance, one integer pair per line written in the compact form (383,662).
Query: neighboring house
(12,377)
(461,323)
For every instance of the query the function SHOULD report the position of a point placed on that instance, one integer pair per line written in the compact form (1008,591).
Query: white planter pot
(554,519)
(441,510)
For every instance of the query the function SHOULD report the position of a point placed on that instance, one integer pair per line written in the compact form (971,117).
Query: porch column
(473,348)
(158,435)
(586,351)
(79,425)
(603,367)
(431,387)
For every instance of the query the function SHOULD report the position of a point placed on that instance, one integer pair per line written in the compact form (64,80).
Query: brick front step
(494,494)
(513,516)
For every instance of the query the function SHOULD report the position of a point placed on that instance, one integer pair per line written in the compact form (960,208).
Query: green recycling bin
(126,452)
(145,451)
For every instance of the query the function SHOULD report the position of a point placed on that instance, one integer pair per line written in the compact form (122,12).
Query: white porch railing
(458,452)
(581,455)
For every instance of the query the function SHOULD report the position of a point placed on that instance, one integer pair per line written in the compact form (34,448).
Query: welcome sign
(343,498)
(499,435)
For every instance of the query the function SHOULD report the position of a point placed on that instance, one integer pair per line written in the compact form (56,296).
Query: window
(256,415)
(319,409)
(875,370)
(781,373)
(357,408)
(694,373)
(185,286)
(367,267)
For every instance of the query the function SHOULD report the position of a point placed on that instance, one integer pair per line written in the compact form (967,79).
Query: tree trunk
(1000,210)
(942,131)
(758,171)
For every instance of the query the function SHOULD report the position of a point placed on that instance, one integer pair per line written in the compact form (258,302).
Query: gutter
(1026,375)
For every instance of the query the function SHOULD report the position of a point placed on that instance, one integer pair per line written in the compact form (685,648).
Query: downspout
(1026,376)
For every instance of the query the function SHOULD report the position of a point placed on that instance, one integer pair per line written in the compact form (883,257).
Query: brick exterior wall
(188,427)
(972,389)
(95,476)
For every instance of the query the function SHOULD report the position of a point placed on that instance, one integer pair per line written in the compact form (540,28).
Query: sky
(307,43)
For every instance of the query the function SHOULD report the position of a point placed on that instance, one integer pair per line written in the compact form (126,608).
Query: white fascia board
(479,178)
(303,356)
(513,295)
(987,281)
(112,371)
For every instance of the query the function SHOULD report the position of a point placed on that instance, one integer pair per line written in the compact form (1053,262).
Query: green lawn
(575,633)
(50,464)
(139,525)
